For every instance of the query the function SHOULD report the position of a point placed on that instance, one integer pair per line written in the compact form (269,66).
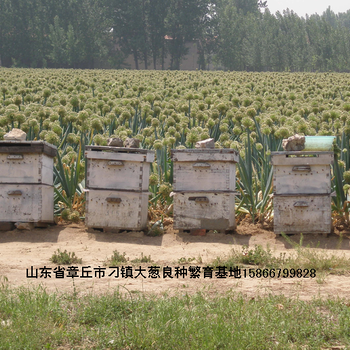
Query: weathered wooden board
(28,147)
(120,153)
(302,214)
(117,175)
(117,149)
(301,178)
(26,203)
(116,209)
(204,176)
(197,155)
(118,170)
(36,168)
(302,158)
(210,211)
(116,156)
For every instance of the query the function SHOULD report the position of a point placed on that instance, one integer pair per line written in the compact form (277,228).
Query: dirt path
(19,250)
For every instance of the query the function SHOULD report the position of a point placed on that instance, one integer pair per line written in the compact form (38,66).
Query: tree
(127,20)
(91,30)
(239,34)
(184,23)
(230,37)
(58,41)
(156,16)
(249,6)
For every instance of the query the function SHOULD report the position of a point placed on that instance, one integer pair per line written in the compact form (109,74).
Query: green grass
(65,258)
(300,258)
(142,259)
(116,259)
(318,259)
(183,260)
(34,319)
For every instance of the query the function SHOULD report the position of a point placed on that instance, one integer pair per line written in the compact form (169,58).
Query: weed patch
(301,258)
(320,260)
(184,261)
(142,259)
(116,259)
(257,256)
(65,258)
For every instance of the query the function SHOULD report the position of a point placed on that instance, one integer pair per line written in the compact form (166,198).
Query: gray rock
(115,142)
(208,143)
(294,143)
(132,143)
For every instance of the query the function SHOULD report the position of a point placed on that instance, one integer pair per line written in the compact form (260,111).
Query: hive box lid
(301,158)
(102,152)
(193,155)
(28,147)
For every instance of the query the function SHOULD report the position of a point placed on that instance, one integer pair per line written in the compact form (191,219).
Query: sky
(302,7)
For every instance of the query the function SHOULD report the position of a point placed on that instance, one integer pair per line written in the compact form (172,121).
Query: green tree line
(230,34)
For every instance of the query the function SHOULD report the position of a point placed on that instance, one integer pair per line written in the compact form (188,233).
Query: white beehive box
(302,172)
(26,203)
(26,162)
(124,210)
(26,181)
(200,210)
(204,189)
(117,182)
(118,168)
(205,170)
(302,214)
(302,192)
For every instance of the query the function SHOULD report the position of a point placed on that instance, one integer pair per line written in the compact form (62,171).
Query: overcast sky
(302,7)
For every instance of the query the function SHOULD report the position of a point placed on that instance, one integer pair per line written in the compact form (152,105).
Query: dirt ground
(20,250)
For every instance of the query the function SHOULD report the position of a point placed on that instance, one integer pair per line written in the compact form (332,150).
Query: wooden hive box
(205,170)
(302,172)
(302,214)
(117,187)
(26,203)
(118,168)
(302,192)
(204,189)
(26,181)
(120,210)
(26,162)
(199,210)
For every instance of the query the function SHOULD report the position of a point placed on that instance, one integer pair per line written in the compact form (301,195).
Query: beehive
(302,172)
(117,187)
(204,189)
(26,181)
(121,210)
(302,192)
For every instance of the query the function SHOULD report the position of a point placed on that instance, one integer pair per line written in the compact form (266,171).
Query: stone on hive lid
(15,135)
(208,143)
(132,143)
(294,143)
(115,142)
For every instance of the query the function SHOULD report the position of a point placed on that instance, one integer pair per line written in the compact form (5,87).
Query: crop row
(250,112)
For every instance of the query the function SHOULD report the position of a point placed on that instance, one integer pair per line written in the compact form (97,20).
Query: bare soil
(19,250)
